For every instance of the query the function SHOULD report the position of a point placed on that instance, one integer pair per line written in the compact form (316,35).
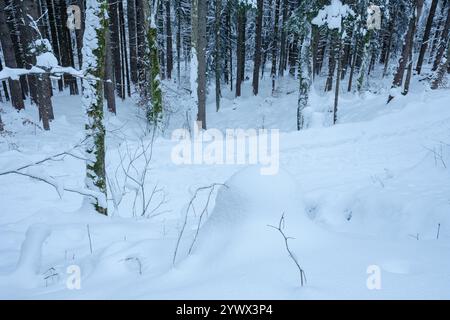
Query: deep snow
(371,190)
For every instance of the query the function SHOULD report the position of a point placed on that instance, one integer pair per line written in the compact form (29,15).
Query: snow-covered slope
(370,191)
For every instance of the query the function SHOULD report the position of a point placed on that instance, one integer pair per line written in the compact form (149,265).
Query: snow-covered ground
(369,193)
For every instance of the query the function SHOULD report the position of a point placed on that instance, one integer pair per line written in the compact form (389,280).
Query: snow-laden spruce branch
(291,254)
(16,73)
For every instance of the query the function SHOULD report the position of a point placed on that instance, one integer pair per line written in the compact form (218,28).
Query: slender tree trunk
(282,65)
(240,63)
(217,57)
(442,45)
(273,72)
(114,30)
(124,51)
(132,38)
(141,46)
(41,85)
(94,65)
(331,63)
(404,58)
(55,37)
(426,36)
(441,71)
(258,43)
(109,74)
(10,59)
(230,43)
(198,20)
(169,41)
(178,43)
(338,78)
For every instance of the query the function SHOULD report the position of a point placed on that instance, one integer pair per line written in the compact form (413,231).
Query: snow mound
(248,194)
(246,206)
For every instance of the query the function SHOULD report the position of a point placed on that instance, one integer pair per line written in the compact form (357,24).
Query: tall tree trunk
(109,74)
(230,42)
(217,57)
(240,47)
(132,38)
(169,41)
(14,15)
(426,36)
(282,65)
(198,59)
(258,43)
(273,71)
(94,65)
(10,59)
(332,62)
(55,37)
(161,38)
(40,86)
(304,74)
(267,25)
(178,43)
(404,58)
(124,50)
(441,71)
(115,46)
(154,115)
(65,44)
(141,46)
(442,45)
(338,78)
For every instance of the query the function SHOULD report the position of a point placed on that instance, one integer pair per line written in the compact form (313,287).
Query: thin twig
(291,255)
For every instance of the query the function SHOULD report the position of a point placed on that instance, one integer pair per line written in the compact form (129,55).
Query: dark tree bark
(178,42)
(114,37)
(124,51)
(293,55)
(40,86)
(161,39)
(267,38)
(54,36)
(13,23)
(258,43)
(169,66)
(442,45)
(338,54)
(331,63)
(109,74)
(217,55)
(426,36)
(10,59)
(273,71)
(405,55)
(229,42)
(282,65)
(65,45)
(141,45)
(132,38)
(439,75)
(80,32)
(240,48)
(201,56)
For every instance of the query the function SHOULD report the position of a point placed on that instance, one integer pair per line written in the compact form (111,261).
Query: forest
(148,139)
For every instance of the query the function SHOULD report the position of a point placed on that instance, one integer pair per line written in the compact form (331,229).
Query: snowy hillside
(367,194)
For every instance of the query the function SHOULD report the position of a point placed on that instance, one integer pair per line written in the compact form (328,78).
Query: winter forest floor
(369,192)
